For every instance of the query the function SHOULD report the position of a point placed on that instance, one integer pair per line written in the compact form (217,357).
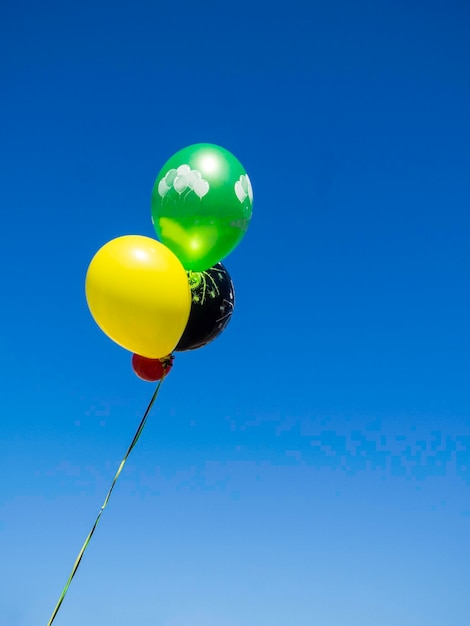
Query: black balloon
(212,302)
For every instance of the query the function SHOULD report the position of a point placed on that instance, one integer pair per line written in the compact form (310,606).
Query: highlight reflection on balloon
(138,293)
(202,194)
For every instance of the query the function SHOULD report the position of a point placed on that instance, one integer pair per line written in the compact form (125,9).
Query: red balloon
(151,370)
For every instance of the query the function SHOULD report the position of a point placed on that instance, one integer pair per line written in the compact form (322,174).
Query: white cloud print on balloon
(243,188)
(184,179)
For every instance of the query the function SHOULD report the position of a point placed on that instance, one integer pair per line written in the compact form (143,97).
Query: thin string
(106,500)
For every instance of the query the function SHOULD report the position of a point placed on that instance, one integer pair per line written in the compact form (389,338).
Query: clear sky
(312,465)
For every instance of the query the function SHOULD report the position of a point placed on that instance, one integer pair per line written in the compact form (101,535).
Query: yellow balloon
(138,293)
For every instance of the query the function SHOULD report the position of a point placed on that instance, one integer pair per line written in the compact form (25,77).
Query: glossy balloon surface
(138,293)
(151,370)
(212,303)
(202,203)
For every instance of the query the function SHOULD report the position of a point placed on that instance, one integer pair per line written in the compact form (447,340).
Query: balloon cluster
(156,297)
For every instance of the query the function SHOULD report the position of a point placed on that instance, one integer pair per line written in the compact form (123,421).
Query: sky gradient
(311,465)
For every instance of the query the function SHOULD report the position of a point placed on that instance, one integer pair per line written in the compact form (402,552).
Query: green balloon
(202,204)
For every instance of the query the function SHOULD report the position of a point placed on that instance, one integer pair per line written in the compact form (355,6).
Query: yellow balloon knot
(167,361)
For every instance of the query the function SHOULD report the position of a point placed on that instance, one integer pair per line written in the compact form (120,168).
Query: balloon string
(106,500)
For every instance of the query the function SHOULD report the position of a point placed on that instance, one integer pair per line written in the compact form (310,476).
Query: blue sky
(312,465)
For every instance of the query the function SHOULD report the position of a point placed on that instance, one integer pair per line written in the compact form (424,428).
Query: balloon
(138,293)
(202,204)
(213,299)
(151,370)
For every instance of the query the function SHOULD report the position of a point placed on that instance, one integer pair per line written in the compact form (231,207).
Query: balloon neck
(167,362)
